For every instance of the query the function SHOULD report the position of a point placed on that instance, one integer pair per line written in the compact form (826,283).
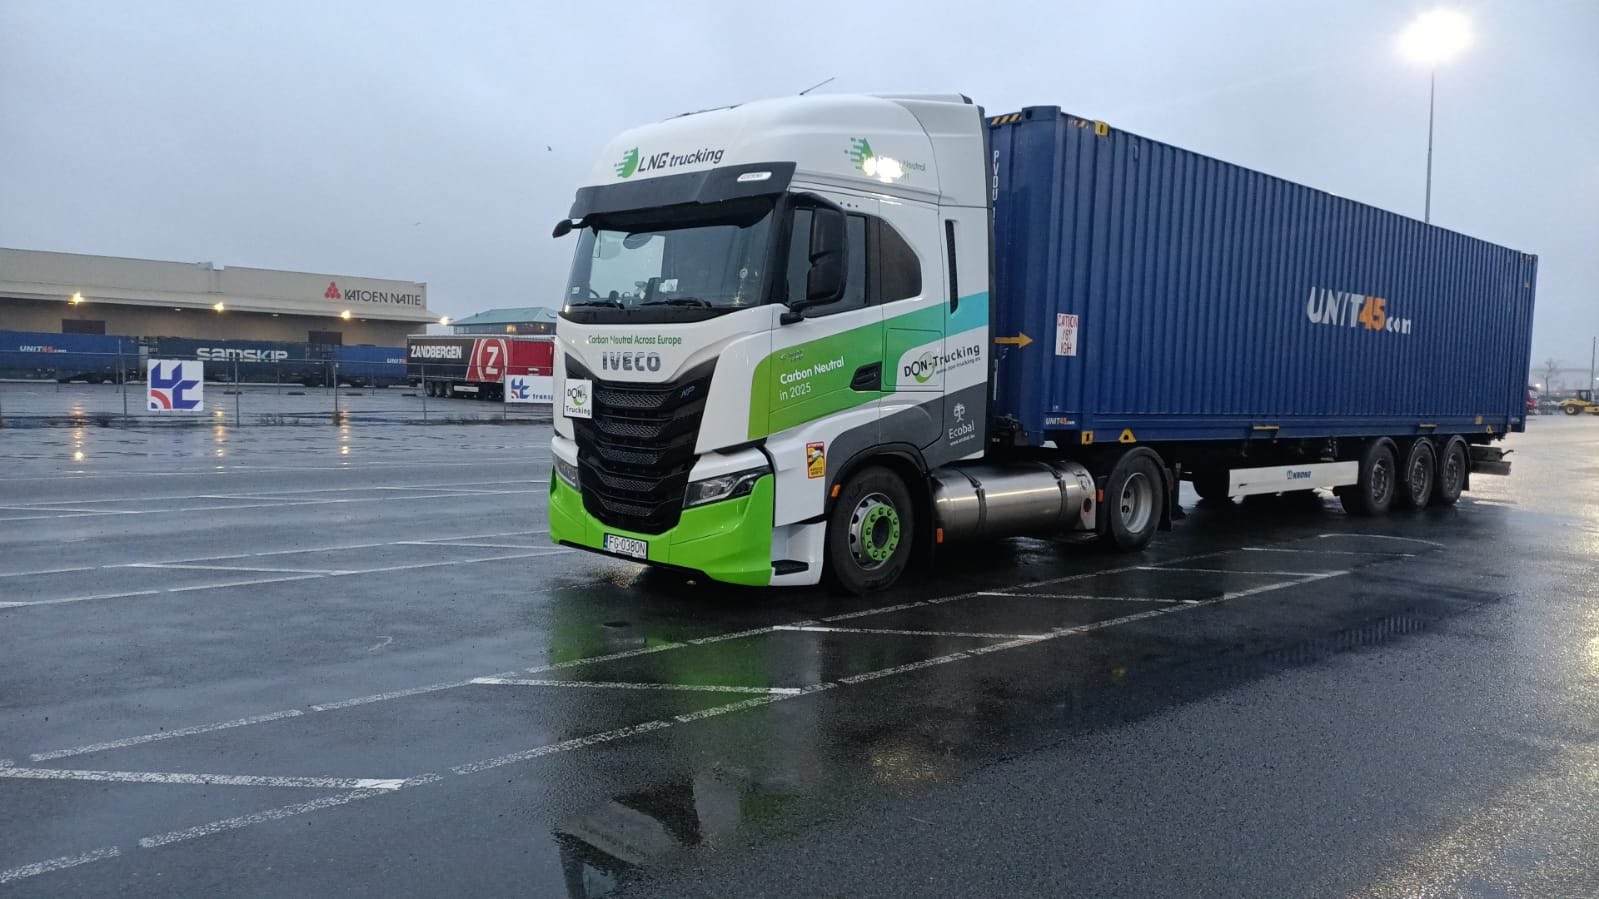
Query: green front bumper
(729,541)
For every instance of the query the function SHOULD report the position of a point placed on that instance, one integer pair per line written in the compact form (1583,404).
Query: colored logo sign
(332,292)
(628,165)
(176,386)
(815,460)
(519,391)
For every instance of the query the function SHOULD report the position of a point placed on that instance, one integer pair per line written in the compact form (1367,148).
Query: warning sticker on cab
(1065,335)
(815,460)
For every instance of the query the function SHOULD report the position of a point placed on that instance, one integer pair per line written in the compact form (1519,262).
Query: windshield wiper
(617,304)
(681,301)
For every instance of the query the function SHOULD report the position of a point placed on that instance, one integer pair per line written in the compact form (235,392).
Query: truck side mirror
(828,255)
(825,283)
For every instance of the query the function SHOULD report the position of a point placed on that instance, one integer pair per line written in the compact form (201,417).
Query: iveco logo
(631,361)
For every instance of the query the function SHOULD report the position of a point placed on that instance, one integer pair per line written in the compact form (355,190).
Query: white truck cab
(777,315)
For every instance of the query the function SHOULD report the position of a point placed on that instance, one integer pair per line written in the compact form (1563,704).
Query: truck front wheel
(1129,511)
(870,531)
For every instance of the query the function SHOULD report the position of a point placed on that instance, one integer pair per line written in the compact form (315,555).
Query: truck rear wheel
(1417,475)
(1374,493)
(1130,511)
(1451,473)
(870,531)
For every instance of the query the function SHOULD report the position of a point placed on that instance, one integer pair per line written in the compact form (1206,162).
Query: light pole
(1434,38)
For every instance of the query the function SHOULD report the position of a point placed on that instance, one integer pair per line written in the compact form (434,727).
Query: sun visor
(711,186)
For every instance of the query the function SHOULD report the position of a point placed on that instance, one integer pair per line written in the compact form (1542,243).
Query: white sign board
(530,389)
(176,385)
(1065,335)
(578,400)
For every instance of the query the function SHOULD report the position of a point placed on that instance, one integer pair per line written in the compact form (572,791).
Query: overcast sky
(438,142)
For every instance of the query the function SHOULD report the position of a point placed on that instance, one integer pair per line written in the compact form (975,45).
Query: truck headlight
(567,472)
(727,486)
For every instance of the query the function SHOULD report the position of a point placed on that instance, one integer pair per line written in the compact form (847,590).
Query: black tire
(1374,493)
(1418,475)
(1451,473)
(870,531)
(1130,513)
(1211,484)
(1569,410)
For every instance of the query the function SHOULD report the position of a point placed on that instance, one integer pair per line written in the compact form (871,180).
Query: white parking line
(823,629)
(187,567)
(1324,552)
(392,694)
(224,780)
(389,787)
(49,571)
(290,574)
(563,746)
(162,735)
(287,811)
(1380,537)
(57,864)
(1093,596)
(609,685)
(1233,571)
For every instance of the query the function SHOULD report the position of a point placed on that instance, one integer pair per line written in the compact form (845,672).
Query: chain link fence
(48,389)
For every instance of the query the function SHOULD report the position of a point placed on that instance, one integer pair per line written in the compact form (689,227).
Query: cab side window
(900,271)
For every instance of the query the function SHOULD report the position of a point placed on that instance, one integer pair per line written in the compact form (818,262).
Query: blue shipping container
(1184,298)
(67,357)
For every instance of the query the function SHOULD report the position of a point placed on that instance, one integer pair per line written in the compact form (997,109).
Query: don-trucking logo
(632,162)
(885,168)
(1342,309)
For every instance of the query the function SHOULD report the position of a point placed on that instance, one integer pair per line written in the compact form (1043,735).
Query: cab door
(831,361)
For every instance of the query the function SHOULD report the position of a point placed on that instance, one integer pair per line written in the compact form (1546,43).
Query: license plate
(627,546)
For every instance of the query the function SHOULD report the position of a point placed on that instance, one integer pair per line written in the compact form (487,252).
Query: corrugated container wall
(1215,302)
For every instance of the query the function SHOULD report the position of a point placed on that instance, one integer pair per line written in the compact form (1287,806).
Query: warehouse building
(68,293)
(520,320)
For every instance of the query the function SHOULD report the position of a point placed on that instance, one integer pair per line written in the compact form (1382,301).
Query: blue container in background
(68,357)
(1185,298)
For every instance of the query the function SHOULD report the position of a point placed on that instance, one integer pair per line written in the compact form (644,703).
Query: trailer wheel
(1451,473)
(1418,475)
(1211,484)
(870,531)
(1374,493)
(1129,513)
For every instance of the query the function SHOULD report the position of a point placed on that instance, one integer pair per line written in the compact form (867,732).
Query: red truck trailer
(475,367)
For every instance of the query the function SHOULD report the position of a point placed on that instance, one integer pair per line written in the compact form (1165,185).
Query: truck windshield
(708,257)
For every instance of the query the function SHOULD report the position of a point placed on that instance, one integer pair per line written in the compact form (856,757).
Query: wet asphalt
(346,660)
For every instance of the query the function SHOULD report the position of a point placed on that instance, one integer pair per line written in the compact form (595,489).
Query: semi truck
(823,336)
(475,367)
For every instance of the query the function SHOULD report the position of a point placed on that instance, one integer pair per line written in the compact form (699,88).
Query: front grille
(635,454)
